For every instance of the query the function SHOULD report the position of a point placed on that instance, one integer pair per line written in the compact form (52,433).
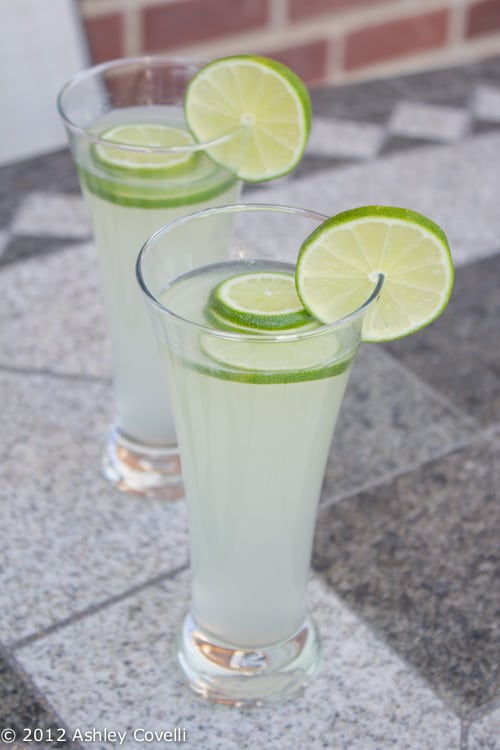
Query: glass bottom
(247,677)
(142,470)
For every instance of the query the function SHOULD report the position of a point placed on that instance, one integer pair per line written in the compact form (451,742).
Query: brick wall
(322,40)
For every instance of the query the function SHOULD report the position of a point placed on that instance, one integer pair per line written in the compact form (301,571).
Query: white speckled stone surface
(52,314)
(431,121)
(485,733)
(68,540)
(486,103)
(344,138)
(52,215)
(115,670)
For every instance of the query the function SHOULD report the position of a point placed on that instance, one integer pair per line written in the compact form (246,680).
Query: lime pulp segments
(261,300)
(339,263)
(261,106)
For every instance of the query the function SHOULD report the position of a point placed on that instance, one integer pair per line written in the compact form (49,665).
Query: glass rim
(261,336)
(124,62)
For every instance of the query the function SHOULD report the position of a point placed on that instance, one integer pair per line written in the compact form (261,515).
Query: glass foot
(143,470)
(247,677)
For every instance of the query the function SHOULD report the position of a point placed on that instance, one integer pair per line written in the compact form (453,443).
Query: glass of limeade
(131,190)
(255,413)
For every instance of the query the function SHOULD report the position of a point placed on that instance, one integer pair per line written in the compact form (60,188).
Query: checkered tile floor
(49,212)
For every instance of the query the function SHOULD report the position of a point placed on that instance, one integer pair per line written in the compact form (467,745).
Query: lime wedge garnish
(154,162)
(263,299)
(259,98)
(339,264)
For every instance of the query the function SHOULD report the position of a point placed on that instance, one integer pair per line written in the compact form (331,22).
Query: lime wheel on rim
(340,262)
(260,105)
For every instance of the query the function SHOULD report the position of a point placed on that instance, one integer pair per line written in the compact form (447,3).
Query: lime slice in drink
(339,264)
(258,101)
(156,178)
(263,308)
(265,360)
(264,299)
(153,163)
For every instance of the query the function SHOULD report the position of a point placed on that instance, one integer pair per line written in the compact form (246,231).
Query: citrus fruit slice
(155,136)
(340,262)
(261,103)
(265,360)
(170,174)
(261,300)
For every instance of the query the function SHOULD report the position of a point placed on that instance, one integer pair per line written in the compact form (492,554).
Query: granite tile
(452,85)
(486,103)
(116,670)
(484,126)
(485,733)
(457,186)
(435,122)
(443,85)
(42,214)
(69,540)
(372,100)
(312,164)
(490,70)
(23,709)
(332,137)
(376,98)
(4,238)
(389,421)
(51,172)
(418,560)
(468,331)
(393,142)
(20,248)
(52,314)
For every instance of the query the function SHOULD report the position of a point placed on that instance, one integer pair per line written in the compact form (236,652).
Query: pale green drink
(132,187)
(255,412)
(125,211)
(253,469)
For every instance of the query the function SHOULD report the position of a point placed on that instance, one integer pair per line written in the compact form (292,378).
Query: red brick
(483,18)
(309,61)
(299,9)
(396,39)
(104,34)
(179,23)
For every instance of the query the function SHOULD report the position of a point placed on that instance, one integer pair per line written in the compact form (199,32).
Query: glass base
(247,678)
(142,470)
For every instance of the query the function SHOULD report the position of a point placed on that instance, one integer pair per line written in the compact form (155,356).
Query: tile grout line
(13,664)
(464,734)
(95,608)
(428,389)
(380,635)
(45,372)
(482,711)
(481,435)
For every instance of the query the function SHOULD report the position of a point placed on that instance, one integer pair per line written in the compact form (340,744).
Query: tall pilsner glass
(127,204)
(255,414)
